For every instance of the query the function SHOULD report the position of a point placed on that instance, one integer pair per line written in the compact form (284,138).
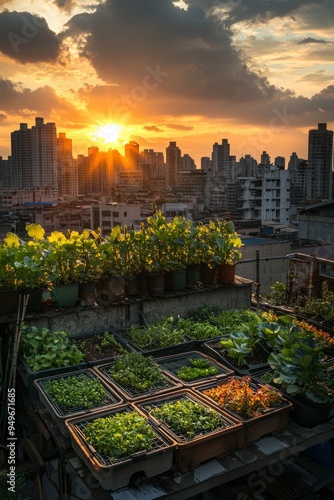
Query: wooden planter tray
(114,475)
(61,413)
(271,421)
(127,394)
(171,365)
(190,454)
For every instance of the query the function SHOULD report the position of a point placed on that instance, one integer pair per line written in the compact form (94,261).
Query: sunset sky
(257,72)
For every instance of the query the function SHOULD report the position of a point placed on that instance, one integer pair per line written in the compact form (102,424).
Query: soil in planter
(99,346)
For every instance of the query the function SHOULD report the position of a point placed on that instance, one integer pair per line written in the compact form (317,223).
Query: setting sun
(106,134)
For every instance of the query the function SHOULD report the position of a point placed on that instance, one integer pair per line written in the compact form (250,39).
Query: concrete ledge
(137,310)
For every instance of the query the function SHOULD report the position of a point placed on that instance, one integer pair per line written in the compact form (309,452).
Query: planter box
(172,364)
(28,376)
(271,421)
(116,474)
(185,346)
(133,394)
(216,351)
(188,454)
(61,413)
(103,359)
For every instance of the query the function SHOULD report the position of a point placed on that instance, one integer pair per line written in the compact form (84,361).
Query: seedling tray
(28,376)
(271,421)
(132,394)
(61,413)
(172,364)
(188,454)
(213,349)
(187,345)
(102,359)
(115,474)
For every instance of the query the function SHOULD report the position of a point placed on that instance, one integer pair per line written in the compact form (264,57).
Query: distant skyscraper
(44,155)
(21,158)
(34,153)
(320,160)
(173,161)
(132,155)
(221,158)
(67,167)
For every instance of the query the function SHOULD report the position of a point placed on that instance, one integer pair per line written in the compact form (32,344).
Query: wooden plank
(32,451)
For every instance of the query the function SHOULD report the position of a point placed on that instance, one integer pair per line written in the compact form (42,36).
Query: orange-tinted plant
(323,338)
(244,398)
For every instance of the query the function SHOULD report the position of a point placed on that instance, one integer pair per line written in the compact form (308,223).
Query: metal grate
(151,406)
(173,365)
(133,392)
(157,443)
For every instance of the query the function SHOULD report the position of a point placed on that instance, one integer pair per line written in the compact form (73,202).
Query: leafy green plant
(76,390)
(43,349)
(278,294)
(299,366)
(199,368)
(198,330)
(318,308)
(188,418)
(120,435)
(163,333)
(136,371)
(101,345)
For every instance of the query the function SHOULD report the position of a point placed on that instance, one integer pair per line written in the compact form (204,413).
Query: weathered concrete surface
(119,315)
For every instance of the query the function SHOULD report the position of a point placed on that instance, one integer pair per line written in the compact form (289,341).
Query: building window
(125,214)
(115,214)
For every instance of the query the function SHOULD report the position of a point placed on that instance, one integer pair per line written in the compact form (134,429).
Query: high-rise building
(44,155)
(132,155)
(221,158)
(67,168)
(21,158)
(320,160)
(173,161)
(34,156)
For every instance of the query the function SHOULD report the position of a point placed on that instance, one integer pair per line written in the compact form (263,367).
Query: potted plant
(300,369)
(226,244)
(22,270)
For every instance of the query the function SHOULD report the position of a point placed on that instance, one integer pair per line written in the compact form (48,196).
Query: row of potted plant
(47,261)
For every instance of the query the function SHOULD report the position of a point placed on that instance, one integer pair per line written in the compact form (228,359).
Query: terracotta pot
(225,273)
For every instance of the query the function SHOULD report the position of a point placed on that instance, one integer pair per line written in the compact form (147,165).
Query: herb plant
(188,418)
(43,349)
(120,435)
(199,368)
(136,371)
(76,390)
(163,333)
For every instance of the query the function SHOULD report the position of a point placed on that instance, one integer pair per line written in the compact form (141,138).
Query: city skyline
(154,71)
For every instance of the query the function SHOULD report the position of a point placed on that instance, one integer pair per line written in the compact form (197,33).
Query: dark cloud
(3,117)
(311,40)
(257,11)
(22,101)
(152,49)
(26,38)
(152,128)
(179,126)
